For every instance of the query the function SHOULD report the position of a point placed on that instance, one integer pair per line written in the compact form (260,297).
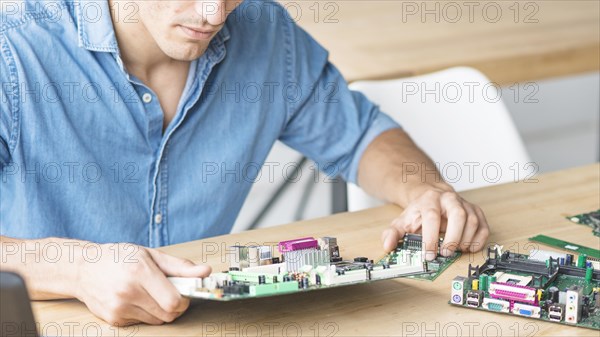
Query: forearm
(49,266)
(394,169)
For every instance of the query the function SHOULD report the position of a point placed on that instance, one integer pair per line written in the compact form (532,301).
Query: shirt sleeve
(329,123)
(5,112)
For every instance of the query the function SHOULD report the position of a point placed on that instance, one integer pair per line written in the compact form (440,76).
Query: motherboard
(591,219)
(307,264)
(546,285)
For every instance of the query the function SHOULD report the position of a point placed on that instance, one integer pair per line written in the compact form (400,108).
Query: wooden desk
(392,307)
(370,39)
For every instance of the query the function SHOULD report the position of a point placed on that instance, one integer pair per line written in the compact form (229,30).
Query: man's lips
(197,33)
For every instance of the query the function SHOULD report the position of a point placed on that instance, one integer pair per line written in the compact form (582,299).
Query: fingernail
(446,252)
(429,256)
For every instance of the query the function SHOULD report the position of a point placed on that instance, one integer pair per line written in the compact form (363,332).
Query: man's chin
(186,51)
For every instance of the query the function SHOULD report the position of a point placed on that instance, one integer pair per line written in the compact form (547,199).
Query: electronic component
(297,259)
(553,294)
(457,296)
(306,264)
(526,310)
(591,219)
(496,305)
(474,298)
(297,244)
(543,255)
(573,306)
(241,257)
(556,312)
(330,245)
(566,246)
(536,288)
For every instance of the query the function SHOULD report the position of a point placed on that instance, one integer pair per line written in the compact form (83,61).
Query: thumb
(178,267)
(390,238)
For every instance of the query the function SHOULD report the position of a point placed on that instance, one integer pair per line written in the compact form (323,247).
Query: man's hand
(437,210)
(430,205)
(128,284)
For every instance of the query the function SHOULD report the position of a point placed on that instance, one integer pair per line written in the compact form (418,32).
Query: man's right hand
(128,284)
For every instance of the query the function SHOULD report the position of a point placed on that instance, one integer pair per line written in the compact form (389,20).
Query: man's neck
(140,53)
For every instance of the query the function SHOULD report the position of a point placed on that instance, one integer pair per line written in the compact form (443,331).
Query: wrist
(68,270)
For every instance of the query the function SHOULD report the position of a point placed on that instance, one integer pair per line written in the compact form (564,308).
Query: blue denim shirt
(82,150)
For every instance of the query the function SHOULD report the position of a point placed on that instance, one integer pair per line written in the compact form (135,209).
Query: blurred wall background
(559,124)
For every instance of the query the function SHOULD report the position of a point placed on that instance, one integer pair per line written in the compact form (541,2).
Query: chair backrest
(457,116)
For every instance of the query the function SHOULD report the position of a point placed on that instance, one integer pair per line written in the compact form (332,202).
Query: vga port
(526,310)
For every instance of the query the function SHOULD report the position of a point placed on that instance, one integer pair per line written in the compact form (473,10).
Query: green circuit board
(591,219)
(565,245)
(551,287)
(306,266)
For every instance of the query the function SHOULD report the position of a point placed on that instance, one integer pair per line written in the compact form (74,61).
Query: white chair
(458,118)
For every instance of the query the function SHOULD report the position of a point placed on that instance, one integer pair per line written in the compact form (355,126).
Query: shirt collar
(96,32)
(94,26)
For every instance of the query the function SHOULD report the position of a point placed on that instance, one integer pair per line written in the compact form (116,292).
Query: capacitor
(286,278)
(274,279)
(553,294)
(589,271)
(561,261)
(318,279)
(305,283)
(261,279)
(569,260)
(475,284)
(581,260)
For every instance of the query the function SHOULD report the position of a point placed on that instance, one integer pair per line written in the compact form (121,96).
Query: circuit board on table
(591,219)
(307,264)
(546,285)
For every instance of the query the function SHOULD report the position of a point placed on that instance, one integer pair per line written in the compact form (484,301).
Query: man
(122,121)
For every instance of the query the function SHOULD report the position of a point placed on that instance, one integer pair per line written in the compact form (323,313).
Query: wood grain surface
(516,212)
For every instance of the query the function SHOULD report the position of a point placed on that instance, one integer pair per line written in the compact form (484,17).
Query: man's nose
(213,12)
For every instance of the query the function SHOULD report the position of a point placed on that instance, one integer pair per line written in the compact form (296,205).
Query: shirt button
(147,98)
(158,218)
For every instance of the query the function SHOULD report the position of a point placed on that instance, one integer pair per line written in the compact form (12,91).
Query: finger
(431,217)
(163,291)
(390,238)
(471,227)
(137,315)
(174,266)
(483,232)
(149,304)
(457,216)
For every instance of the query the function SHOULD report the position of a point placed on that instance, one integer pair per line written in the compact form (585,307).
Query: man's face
(183,29)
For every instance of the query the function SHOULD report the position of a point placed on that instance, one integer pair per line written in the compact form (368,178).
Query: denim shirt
(82,149)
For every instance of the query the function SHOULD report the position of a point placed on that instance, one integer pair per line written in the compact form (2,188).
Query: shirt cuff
(381,124)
